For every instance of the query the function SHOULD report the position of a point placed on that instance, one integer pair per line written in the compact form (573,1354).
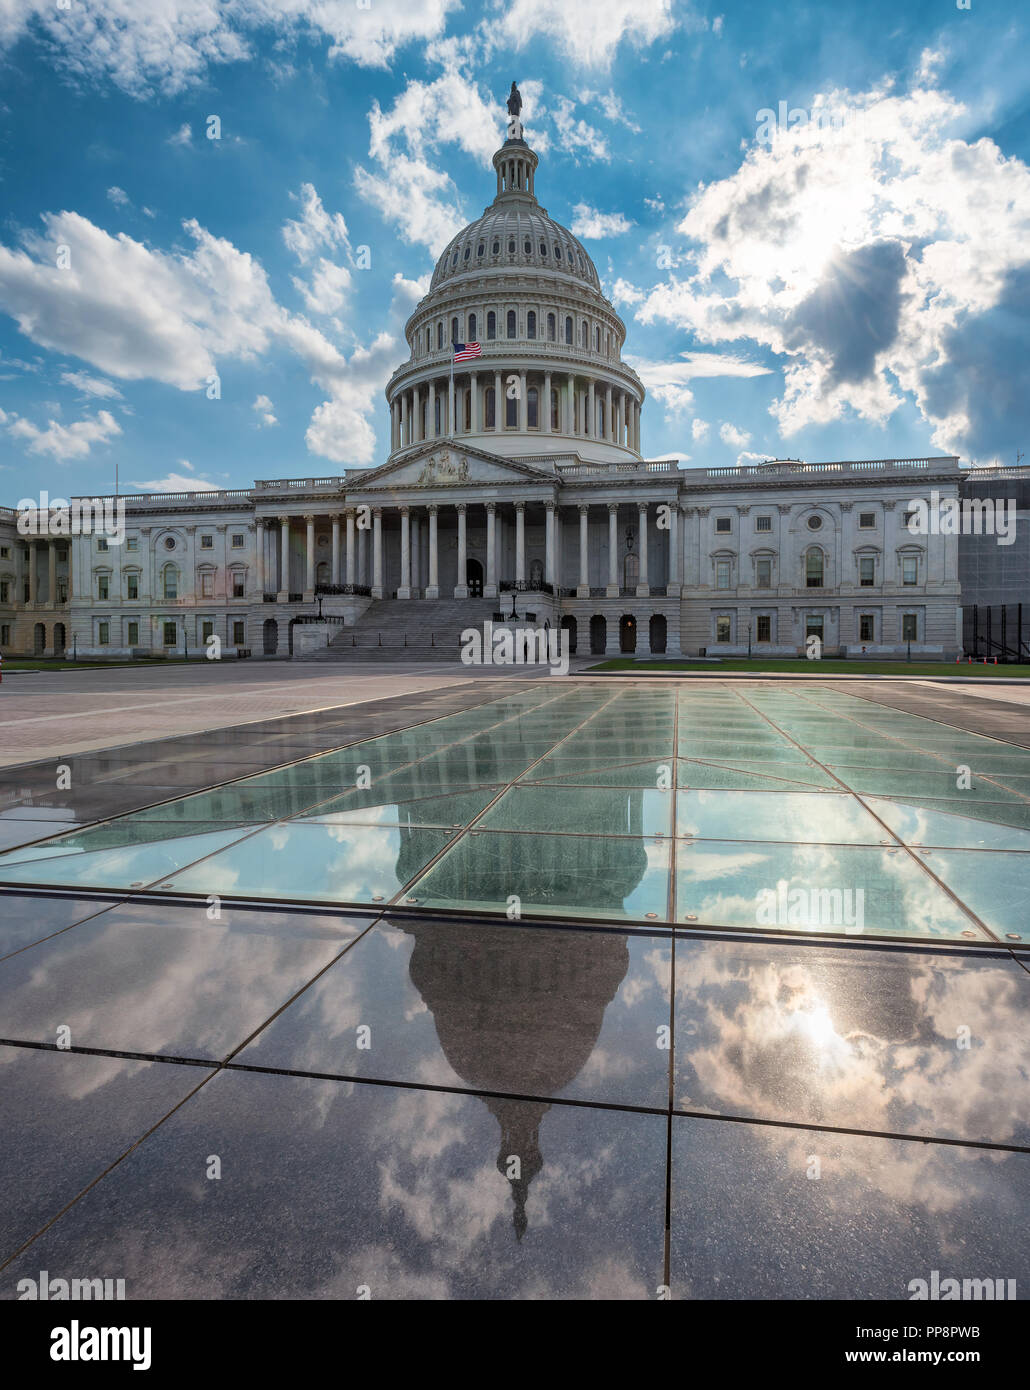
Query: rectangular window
(207,542)
(722,574)
(722,523)
(237,541)
(5,552)
(103,634)
(908,518)
(867,521)
(239,634)
(103,586)
(132,586)
(814,625)
(5,635)
(102,543)
(207,629)
(866,628)
(207,585)
(722,629)
(132,542)
(909,569)
(763,574)
(4,590)
(171,583)
(909,627)
(132,634)
(867,571)
(764,626)
(239,586)
(763,523)
(169,637)
(814,569)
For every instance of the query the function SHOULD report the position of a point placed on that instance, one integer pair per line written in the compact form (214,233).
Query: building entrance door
(474,578)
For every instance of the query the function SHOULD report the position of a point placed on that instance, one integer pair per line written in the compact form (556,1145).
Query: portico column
(490,587)
(636,425)
(461,589)
(404,419)
(416,551)
(416,414)
(591,428)
(612,590)
(431,409)
(350,546)
(404,591)
(309,560)
(672,579)
(498,407)
(363,555)
(643,588)
(584,570)
(284,557)
(570,406)
(377,552)
(433,587)
(549,545)
(523,404)
(474,403)
(336,551)
(259,576)
(520,542)
(546,424)
(609,423)
(395,423)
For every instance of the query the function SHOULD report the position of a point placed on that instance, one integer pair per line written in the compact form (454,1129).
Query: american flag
(464,352)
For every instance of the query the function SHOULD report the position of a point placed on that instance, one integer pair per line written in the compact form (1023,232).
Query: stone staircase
(396,630)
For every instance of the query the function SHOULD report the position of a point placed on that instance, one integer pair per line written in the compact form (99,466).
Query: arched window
(454,331)
(555,407)
(543,248)
(495,250)
(437,403)
(568,330)
(454,260)
(480,248)
(531,324)
(472,328)
(557,252)
(597,340)
(491,324)
(533,401)
(468,252)
(814,568)
(527,246)
(169,582)
(511,246)
(585,334)
(491,408)
(550,328)
(439,334)
(511,413)
(467,411)
(511,323)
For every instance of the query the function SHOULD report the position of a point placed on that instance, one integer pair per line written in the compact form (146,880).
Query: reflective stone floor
(554,989)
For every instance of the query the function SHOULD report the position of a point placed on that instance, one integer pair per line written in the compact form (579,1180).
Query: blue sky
(852,281)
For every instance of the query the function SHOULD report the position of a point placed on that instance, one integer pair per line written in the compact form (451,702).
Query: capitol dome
(540,373)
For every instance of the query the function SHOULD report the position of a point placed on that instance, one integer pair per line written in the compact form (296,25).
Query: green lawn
(51,665)
(829,668)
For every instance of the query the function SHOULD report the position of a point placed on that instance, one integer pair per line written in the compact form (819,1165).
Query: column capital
(460,507)
(490,506)
(520,506)
(377,512)
(583,508)
(433,508)
(550,504)
(284,521)
(259,522)
(613,508)
(349,512)
(404,510)
(309,517)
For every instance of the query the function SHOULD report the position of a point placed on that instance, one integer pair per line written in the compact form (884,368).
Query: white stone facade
(517,471)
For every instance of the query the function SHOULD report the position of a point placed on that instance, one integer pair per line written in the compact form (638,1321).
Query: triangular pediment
(442,465)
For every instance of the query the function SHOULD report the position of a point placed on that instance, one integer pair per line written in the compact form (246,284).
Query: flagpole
(450,398)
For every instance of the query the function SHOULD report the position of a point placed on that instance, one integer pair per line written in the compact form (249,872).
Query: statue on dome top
(514,112)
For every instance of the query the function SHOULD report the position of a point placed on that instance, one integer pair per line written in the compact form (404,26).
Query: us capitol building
(515,482)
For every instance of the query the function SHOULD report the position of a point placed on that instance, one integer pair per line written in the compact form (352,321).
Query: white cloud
(91,385)
(418,198)
(315,229)
(176,482)
(729,434)
(118,196)
(64,442)
(669,381)
(326,293)
(884,258)
(265,409)
(576,135)
(699,430)
(587,31)
(183,136)
(169,45)
(589,223)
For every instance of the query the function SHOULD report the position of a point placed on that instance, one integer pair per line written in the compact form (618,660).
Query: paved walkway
(48,712)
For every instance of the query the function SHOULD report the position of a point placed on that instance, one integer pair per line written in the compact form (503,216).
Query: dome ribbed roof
(515,232)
